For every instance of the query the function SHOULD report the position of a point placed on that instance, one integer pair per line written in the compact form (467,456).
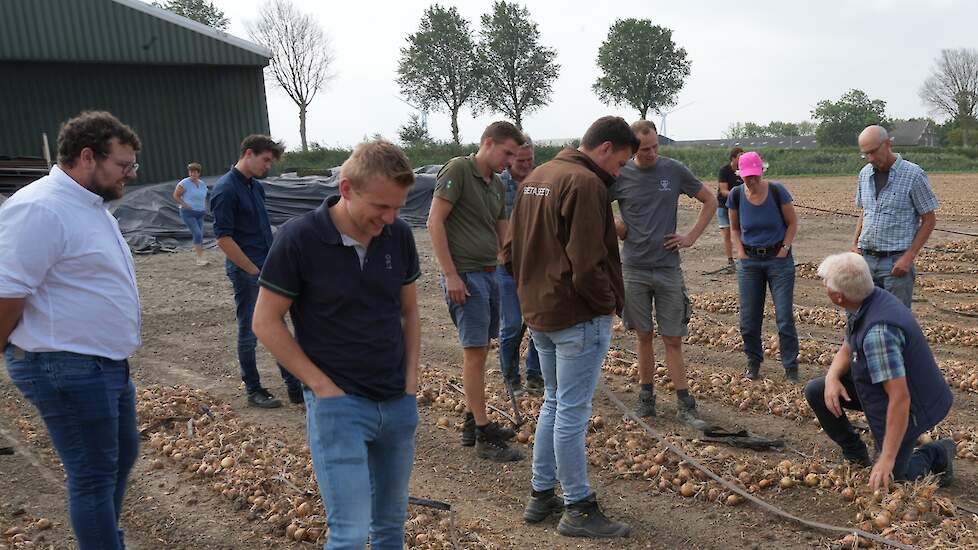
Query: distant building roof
(116,31)
(786,142)
(913,132)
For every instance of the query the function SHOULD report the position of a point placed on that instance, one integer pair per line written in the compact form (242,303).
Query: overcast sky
(753,60)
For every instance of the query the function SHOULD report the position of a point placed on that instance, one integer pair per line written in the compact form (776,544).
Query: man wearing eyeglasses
(898,217)
(69,316)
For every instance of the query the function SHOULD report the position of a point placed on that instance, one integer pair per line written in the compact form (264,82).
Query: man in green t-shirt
(467,222)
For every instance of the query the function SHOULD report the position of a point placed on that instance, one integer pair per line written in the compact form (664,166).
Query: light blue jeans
(571,363)
(901,287)
(510,323)
(362,452)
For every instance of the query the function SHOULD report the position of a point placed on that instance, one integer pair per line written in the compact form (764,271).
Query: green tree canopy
(200,11)
(641,66)
(415,132)
(519,71)
(840,122)
(439,68)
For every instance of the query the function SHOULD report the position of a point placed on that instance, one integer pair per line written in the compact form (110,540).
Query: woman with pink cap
(763,225)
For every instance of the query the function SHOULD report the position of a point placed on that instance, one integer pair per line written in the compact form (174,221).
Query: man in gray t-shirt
(647,191)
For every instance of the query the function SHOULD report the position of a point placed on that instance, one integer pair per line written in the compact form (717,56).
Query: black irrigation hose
(734,488)
(851,215)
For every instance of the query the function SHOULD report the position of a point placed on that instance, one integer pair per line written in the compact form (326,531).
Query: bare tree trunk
(302,127)
(455,136)
(519,120)
(642,112)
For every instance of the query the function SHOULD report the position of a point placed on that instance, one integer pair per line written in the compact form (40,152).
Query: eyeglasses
(127,167)
(864,154)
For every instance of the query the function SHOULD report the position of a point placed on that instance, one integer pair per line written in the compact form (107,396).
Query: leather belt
(763,251)
(882,254)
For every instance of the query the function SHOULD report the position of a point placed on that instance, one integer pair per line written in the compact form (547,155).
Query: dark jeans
(754,277)
(911,462)
(89,407)
(245,296)
(510,323)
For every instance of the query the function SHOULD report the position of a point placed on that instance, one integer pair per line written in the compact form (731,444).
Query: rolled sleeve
(282,270)
(922,195)
(223,206)
(883,348)
(32,239)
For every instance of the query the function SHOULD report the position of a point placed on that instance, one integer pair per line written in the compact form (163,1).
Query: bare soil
(189,340)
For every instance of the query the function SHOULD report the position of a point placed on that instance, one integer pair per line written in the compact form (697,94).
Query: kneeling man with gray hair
(886,369)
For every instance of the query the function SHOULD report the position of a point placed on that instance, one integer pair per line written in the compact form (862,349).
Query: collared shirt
(891,218)
(347,315)
(62,250)
(238,206)
(476,207)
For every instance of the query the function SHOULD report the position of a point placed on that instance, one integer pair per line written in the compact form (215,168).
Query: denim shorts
(477,320)
(723,218)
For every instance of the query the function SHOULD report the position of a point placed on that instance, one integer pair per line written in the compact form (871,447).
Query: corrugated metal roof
(116,31)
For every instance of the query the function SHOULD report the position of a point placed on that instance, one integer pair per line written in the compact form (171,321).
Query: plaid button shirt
(883,346)
(891,219)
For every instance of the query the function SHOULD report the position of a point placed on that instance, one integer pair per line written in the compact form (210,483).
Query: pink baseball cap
(750,164)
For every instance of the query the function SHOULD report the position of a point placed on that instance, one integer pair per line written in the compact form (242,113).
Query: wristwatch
(786,246)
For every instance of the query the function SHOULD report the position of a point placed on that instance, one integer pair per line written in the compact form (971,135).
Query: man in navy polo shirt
(244,234)
(346,273)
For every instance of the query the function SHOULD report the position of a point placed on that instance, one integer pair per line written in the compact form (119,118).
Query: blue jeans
(911,462)
(901,287)
(754,277)
(195,223)
(477,320)
(510,323)
(245,296)
(362,452)
(571,362)
(89,407)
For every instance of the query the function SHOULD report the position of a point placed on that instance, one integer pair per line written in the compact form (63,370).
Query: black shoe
(490,446)
(859,459)
(542,506)
(950,450)
(646,404)
(296,396)
(534,384)
(753,370)
(499,432)
(584,519)
(686,413)
(791,375)
(468,430)
(262,399)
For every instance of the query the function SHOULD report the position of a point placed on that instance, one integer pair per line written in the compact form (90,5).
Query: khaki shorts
(659,290)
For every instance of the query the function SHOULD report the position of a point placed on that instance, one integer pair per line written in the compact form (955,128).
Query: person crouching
(886,369)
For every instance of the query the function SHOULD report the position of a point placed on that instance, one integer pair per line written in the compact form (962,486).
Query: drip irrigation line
(739,491)
(851,215)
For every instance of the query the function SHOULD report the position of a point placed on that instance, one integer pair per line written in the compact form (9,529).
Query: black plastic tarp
(150,219)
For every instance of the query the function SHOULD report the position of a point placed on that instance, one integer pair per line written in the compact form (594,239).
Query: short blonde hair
(849,274)
(378,158)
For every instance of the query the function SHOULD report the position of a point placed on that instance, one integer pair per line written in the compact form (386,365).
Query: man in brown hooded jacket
(564,258)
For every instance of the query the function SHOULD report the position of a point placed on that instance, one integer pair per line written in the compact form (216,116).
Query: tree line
(446,65)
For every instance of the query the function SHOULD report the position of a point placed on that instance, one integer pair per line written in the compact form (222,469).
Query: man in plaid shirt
(884,368)
(898,207)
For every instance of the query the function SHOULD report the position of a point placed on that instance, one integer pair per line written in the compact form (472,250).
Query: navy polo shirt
(238,206)
(347,318)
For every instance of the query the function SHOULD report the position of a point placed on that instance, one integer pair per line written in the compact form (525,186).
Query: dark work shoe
(686,413)
(534,384)
(950,450)
(499,432)
(791,375)
(753,370)
(859,459)
(542,506)
(585,519)
(296,396)
(468,430)
(262,399)
(490,446)
(646,404)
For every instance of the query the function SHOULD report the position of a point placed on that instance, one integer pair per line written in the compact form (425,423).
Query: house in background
(915,133)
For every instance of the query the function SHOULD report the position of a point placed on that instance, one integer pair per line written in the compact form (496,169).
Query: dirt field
(188,359)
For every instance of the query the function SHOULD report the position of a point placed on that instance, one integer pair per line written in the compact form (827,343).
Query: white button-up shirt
(62,250)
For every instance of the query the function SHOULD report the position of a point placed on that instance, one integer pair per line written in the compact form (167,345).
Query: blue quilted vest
(930,396)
